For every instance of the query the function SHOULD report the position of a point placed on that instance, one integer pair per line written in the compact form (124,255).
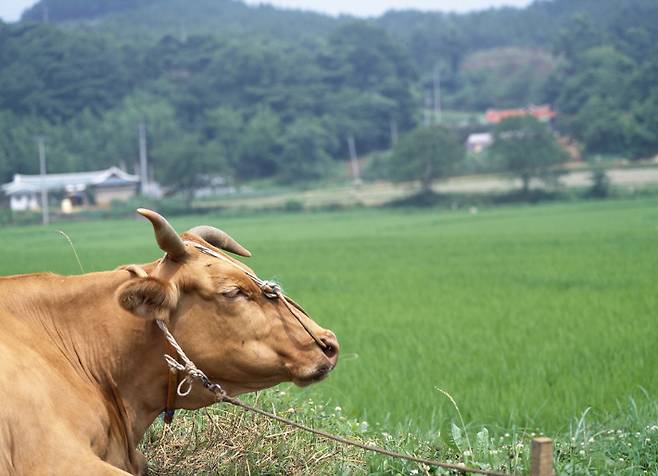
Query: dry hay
(226,440)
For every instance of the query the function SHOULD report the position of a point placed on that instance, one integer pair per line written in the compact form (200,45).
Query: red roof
(543,113)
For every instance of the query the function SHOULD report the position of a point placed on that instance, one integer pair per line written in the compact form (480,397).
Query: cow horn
(220,239)
(167,238)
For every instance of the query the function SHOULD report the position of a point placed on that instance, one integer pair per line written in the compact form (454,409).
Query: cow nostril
(329,349)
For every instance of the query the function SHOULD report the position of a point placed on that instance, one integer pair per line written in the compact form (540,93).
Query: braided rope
(193,373)
(190,370)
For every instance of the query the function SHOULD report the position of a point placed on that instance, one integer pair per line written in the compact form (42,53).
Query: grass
(527,316)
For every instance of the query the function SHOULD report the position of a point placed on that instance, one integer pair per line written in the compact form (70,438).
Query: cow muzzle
(323,363)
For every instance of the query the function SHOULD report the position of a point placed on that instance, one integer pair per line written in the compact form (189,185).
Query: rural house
(99,187)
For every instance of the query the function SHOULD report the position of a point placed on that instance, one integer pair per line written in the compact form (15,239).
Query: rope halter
(270,290)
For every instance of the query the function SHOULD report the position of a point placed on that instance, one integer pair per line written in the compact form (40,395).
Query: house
(542,113)
(74,189)
(476,143)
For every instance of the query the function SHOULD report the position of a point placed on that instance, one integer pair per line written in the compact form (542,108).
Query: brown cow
(81,357)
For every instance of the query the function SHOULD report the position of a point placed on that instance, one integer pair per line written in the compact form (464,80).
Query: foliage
(234,79)
(604,91)
(238,100)
(527,148)
(502,78)
(425,154)
(303,156)
(600,183)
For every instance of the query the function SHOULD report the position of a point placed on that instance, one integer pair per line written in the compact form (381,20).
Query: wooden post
(541,457)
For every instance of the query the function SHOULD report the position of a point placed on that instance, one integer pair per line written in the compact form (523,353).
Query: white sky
(10,10)
(377,7)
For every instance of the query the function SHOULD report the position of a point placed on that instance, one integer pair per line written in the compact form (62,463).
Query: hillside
(130,19)
(265,93)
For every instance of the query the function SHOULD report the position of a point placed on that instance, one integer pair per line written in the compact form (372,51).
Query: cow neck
(106,346)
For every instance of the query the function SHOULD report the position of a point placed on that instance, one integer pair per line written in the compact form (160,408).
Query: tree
(526,147)
(259,146)
(425,154)
(187,164)
(304,155)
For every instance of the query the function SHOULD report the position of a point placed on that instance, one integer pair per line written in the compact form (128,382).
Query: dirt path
(378,193)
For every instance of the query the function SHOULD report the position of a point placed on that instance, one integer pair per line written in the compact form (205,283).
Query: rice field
(526,316)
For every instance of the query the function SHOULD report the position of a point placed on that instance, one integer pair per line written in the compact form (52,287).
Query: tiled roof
(75,181)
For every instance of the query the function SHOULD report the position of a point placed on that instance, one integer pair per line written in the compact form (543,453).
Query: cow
(82,357)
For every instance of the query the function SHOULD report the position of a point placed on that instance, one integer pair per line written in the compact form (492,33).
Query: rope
(189,369)
(193,373)
(356,444)
(270,289)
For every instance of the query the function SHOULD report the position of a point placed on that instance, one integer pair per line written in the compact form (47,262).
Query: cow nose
(331,347)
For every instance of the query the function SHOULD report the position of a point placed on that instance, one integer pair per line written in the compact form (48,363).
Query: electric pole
(45,217)
(437,94)
(394,132)
(143,158)
(354,160)
(428,110)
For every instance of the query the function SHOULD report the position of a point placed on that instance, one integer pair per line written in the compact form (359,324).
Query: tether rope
(193,373)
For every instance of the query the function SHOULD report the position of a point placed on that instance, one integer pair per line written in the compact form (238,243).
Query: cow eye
(233,293)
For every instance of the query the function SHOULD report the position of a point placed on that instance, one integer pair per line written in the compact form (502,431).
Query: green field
(527,316)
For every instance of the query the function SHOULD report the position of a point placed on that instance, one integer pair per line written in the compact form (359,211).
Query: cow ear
(148,297)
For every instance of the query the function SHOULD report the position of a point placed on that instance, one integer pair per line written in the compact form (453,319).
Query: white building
(478,142)
(73,189)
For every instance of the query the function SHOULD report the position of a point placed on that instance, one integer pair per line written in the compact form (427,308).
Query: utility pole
(143,158)
(394,132)
(354,160)
(45,217)
(437,94)
(428,110)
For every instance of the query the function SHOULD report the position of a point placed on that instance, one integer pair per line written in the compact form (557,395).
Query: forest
(249,93)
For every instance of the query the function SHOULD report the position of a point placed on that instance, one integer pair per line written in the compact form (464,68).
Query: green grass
(527,316)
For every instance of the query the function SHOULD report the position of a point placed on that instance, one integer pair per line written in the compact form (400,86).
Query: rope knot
(271,289)
(189,369)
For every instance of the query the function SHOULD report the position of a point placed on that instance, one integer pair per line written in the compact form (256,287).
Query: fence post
(541,457)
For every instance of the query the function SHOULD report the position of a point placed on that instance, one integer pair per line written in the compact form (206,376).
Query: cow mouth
(318,375)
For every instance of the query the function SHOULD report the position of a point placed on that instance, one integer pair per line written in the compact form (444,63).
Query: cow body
(81,357)
(69,402)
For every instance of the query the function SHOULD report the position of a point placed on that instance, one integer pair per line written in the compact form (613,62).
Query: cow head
(241,338)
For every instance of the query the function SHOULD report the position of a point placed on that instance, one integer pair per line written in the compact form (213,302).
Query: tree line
(263,103)
(239,107)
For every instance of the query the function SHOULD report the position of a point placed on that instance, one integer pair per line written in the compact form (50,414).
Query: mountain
(130,19)
(261,92)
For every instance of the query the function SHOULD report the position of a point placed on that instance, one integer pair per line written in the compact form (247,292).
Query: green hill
(261,92)
(157,18)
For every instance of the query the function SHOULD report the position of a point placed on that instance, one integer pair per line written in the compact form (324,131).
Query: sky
(10,10)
